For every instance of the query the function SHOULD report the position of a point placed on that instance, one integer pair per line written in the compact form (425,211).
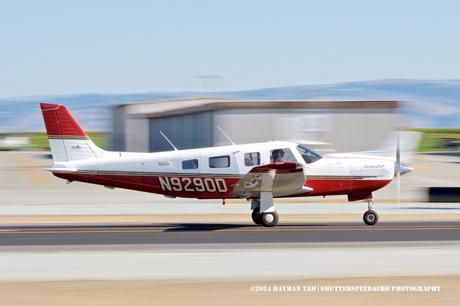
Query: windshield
(308,155)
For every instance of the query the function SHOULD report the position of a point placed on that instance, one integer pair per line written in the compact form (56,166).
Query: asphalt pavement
(213,233)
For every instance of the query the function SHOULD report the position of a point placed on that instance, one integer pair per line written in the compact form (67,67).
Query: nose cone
(403,169)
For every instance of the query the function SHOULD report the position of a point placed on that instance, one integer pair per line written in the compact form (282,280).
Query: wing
(282,179)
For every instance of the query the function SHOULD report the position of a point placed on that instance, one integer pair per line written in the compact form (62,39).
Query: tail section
(67,139)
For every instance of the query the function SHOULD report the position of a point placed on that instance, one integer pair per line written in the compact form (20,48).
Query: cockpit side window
(308,155)
(252,159)
(282,155)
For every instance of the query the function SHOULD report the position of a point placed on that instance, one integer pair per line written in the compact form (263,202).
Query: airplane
(258,172)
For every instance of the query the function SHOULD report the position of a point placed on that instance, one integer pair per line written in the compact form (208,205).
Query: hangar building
(193,123)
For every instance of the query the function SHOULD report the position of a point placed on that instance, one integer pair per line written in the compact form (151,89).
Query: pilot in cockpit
(277,155)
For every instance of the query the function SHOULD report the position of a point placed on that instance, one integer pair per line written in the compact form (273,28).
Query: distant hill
(427,103)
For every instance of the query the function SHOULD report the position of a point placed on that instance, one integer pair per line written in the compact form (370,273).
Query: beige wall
(245,127)
(346,132)
(137,135)
(359,132)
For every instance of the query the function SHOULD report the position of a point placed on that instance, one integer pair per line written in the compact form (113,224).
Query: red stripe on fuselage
(343,186)
(185,185)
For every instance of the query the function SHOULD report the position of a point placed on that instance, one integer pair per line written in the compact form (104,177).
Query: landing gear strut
(370,217)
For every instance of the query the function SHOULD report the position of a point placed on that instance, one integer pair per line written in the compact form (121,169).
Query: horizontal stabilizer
(61,170)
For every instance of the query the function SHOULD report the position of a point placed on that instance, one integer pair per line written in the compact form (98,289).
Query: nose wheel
(370,217)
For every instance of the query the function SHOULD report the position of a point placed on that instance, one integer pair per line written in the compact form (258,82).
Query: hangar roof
(162,108)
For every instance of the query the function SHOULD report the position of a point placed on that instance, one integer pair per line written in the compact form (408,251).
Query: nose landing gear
(370,217)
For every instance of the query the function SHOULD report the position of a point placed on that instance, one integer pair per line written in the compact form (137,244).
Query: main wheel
(370,217)
(269,219)
(256,216)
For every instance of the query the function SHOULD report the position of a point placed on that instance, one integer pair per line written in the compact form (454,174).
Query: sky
(71,47)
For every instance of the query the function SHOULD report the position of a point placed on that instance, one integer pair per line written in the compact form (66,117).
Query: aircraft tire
(269,219)
(370,217)
(256,216)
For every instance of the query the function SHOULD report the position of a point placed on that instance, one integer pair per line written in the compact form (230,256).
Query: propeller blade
(398,153)
(398,169)
(398,187)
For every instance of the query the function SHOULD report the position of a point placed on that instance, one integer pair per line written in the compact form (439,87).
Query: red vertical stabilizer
(59,122)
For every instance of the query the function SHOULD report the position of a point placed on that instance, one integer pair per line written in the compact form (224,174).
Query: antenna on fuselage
(226,136)
(169,141)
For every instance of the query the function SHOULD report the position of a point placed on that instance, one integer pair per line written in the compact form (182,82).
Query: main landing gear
(269,217)
(370,217)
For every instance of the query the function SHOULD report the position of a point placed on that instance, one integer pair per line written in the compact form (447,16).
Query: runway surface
(221,233)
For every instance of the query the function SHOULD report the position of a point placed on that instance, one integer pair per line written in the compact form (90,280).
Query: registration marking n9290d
(196,184)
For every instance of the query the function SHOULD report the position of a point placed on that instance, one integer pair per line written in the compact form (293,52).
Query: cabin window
(190,164)
(282,155)
(219,162)
(252,159)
